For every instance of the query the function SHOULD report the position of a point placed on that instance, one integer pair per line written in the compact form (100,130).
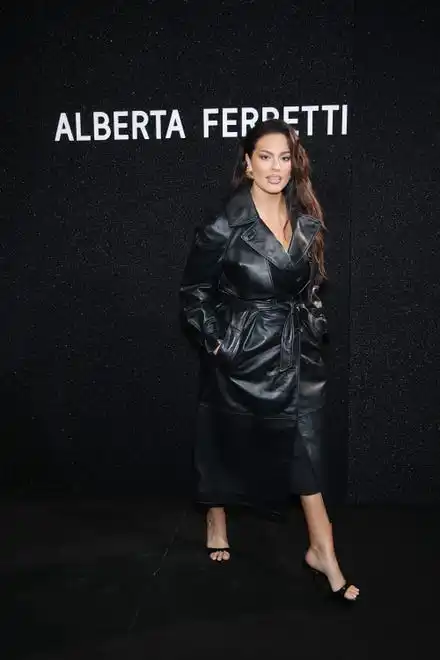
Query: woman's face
(271,163)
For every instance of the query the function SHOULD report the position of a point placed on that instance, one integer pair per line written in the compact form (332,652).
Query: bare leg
(217,536)
(321,553)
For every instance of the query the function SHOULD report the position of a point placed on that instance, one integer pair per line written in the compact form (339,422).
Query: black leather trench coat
(261,396)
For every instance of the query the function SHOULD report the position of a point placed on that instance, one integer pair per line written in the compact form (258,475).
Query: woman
(249,299)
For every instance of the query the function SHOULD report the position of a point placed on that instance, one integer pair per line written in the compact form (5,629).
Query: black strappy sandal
(338,595)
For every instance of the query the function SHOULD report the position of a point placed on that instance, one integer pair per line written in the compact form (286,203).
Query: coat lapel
(305,231)
(263,241)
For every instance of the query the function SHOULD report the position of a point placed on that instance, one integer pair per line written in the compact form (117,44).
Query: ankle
(322,549)
(216,515)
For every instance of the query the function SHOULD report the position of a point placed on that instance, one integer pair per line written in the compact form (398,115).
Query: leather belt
(291,327)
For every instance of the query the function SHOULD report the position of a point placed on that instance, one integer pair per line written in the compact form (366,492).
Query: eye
(286,158)
(264,156)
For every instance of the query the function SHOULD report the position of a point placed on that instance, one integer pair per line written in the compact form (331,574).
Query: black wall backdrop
(98,386)
(394,446)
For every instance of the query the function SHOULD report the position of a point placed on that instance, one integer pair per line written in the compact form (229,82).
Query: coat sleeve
(200,279)
(315,303)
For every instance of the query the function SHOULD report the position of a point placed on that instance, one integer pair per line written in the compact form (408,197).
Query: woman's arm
(200,279)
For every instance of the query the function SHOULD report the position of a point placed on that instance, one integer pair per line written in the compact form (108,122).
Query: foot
(216,536)
(326,562)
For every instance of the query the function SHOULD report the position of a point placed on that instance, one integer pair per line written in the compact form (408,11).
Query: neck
(268,204)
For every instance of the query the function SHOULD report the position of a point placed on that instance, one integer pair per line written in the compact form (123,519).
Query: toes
(352,592)
(224,556)
(221,555)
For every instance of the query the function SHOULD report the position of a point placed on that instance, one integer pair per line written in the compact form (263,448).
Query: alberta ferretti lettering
(215,122)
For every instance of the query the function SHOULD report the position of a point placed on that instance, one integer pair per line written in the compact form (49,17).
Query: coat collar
(241,210)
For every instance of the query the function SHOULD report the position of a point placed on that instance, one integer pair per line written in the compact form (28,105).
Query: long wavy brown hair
(299,194)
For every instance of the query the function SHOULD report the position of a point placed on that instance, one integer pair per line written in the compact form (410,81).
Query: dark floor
(129,579)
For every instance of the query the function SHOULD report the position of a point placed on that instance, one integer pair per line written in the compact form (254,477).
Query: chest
(256,264)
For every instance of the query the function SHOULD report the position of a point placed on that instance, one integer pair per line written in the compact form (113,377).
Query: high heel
(338,595)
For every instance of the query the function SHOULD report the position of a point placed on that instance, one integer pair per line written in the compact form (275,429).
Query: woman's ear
(248,161)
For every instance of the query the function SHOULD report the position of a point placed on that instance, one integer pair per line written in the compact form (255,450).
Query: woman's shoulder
(232,209)
(214,227)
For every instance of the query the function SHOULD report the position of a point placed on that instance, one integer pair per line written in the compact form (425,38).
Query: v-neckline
(285,249)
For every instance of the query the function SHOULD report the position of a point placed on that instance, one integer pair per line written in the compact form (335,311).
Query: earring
(249,174)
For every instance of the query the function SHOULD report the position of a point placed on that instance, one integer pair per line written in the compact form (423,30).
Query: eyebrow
(287,151)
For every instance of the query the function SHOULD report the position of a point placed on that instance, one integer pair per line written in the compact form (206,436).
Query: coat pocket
(234,335)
